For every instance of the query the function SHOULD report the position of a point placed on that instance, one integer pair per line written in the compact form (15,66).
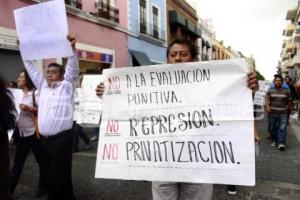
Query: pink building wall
(85,31)
(123,8)
(100,36)
(88,5)
(7,8)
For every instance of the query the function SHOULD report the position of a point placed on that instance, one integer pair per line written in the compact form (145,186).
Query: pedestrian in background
(28,138)
(7,122)
(55,120)
(289,82)
(77,129)
(278,102)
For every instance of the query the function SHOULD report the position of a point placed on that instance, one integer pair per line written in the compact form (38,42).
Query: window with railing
(153,31)
(74,3)
(106,11)
(155,21)
(143,16)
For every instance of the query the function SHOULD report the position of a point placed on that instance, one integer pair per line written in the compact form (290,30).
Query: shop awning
(198,32)
(141,57)
(175,17)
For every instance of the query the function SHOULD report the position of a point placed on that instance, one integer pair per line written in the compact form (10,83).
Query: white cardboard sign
(189,122)
(42,30)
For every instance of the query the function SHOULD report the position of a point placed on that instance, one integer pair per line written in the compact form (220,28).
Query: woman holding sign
(7,122)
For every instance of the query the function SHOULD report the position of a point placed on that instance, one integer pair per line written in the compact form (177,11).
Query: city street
(278,175)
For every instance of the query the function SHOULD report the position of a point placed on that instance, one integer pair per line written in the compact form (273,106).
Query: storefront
(92,60)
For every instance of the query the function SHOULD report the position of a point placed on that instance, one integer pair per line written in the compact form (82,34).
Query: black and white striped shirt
(279,99)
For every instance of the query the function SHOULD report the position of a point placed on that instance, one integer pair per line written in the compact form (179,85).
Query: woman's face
(22,80)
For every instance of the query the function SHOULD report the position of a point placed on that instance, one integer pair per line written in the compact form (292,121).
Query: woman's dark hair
(193,49)
(7,108)
(29,83)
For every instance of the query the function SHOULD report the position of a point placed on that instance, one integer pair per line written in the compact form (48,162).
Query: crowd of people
(46,126)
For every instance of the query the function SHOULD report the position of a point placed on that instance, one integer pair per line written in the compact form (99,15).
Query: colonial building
(205,43)
(220,52)
(147,39)
(290,54)
(100,28)
(182,21)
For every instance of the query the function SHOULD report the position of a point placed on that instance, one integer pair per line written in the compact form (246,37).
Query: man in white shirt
(55,120)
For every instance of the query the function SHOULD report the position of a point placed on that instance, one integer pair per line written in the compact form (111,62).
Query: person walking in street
(28,138)
(7,122)
(77,129)
(180,51)
(292,89)
(278,102)
(55,120)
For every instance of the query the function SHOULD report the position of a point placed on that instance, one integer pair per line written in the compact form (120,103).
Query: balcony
(290,47)
(296,35)
(296,60)
(74,3)
(289,64)
(290,29)
(285,56)
(147,29)
(291,14)
(107,12)
(284,43)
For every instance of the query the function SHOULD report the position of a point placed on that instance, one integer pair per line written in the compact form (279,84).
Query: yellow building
(220,52)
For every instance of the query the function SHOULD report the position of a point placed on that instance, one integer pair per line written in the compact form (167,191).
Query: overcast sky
(250,26)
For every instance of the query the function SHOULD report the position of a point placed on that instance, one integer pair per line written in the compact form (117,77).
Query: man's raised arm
(72,67)
(35,75)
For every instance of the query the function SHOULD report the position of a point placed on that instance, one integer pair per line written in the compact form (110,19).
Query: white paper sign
(189,122)
(90,105)
(259,97)
(17,98)
(42,30)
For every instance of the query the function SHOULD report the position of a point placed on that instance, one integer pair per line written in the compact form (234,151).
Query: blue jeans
(278,125)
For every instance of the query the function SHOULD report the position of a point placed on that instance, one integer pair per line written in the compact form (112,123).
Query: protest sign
(17,98)
(188,122)
(259,97)
(90,105)
(42,30)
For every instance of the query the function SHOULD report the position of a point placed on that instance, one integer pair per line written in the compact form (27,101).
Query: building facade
(290,54)
(182,21)
(147,39)
(205,43)
(220,52)
(99,28)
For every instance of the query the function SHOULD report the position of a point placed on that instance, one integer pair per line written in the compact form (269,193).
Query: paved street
(278,175)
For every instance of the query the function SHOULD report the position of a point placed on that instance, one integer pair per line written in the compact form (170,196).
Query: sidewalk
(278,173)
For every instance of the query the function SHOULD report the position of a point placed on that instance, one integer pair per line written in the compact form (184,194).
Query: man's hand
(100,89)
(72,40)
(252,82)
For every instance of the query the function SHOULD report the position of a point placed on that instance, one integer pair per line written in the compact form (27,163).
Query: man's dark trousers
(59,157)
